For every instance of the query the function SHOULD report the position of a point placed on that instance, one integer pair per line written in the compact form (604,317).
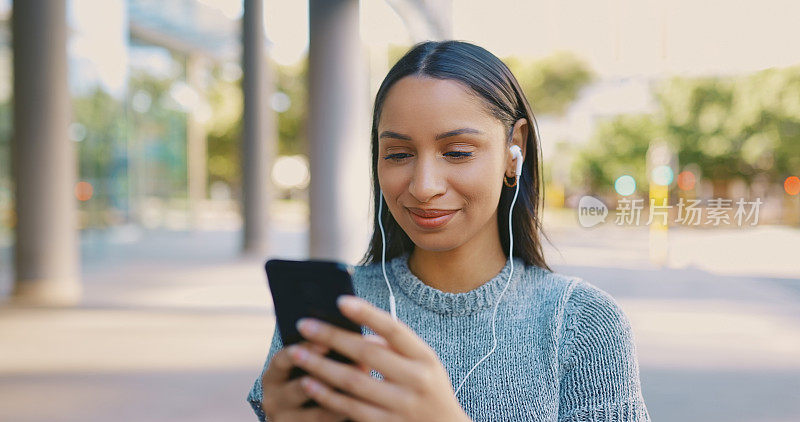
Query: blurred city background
(158,151)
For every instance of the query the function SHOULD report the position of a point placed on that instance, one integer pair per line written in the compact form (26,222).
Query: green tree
(738,126)
(98,129)
(157,137)
(553,83)
(618,146)
(224,130)
(731,127)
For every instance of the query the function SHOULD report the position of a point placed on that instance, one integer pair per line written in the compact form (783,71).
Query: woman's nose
(427,182)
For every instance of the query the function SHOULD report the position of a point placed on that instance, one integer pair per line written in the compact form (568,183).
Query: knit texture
(565,348)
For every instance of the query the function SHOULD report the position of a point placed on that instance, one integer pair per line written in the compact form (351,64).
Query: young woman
(480,334)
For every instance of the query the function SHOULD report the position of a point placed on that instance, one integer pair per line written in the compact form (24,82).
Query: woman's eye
(396,156)
(458,154)
(399,156)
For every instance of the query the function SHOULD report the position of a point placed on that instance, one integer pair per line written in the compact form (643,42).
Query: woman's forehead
(427,105)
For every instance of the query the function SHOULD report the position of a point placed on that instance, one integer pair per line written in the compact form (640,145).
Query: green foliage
(99,121)
(731,127)
(552,83)
(224,136)
(224,130)
(736,126)
(292,81)
(98,130)
(5,142)
(157,138)
(5,169)
(618,147)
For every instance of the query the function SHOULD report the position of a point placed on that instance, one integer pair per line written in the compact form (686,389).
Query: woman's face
(441,162)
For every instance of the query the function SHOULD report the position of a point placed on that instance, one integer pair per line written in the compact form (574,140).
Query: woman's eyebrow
(395,135)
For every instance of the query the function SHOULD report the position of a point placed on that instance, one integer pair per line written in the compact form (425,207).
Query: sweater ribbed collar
(447,303)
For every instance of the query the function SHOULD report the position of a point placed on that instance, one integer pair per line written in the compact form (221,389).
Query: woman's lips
(431,218)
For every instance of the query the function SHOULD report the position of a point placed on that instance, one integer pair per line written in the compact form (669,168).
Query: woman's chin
(434,242)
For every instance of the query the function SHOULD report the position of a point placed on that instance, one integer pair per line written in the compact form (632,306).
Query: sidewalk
(152,340)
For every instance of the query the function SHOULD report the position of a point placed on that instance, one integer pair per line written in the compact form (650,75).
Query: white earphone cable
(508,283)
(392,306)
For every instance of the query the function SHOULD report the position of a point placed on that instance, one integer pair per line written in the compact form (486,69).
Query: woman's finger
(319,348)
(350,380)
(341,403)
(280,365)
(278,391)
(278,369)
(373,339)
(284,396)
(370,354)
(399,335)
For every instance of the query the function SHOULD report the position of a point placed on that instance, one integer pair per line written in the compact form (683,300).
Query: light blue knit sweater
(565,347)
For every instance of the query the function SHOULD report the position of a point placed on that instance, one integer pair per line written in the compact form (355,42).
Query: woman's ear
(518,137)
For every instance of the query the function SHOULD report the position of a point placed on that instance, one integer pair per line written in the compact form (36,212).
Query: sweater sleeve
(599,367)
(256,393)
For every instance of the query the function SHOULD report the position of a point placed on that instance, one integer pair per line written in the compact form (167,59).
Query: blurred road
(174,327)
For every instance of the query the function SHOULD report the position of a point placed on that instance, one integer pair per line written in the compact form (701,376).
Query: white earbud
(517,153)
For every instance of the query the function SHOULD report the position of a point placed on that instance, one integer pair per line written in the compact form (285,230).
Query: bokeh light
(291,172)
(792,185)
(625,185)
(84,191)
(662,175)
(686,180)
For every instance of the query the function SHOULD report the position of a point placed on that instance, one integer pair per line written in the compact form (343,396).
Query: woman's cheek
(476,188)
(393,182)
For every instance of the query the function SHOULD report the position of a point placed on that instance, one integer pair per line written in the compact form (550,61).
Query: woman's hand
(283,398)
(415,387)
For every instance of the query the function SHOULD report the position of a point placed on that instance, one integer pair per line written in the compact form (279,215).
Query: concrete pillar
(258,129)
(196,143)
(338,135)
(44,165)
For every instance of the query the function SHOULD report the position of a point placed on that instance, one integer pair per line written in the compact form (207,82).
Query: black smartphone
(309,289)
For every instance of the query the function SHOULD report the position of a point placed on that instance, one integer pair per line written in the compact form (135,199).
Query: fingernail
(348,302)
(308,326)
(299,353)
(310,385)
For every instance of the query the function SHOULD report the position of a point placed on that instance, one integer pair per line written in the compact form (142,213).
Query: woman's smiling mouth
(430,218)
